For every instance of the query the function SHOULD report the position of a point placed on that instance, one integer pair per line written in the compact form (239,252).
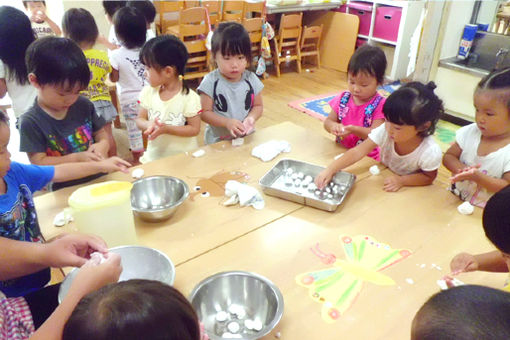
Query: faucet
(500,57)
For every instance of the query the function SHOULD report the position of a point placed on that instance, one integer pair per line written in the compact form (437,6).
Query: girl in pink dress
(354,113)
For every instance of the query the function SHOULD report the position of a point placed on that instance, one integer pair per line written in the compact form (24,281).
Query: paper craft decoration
(215,185)
(337,287)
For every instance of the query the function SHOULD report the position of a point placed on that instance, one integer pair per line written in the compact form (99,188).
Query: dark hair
(111,6)
(370,60)
(130,27)
(58,61)
(163,51)
(496,219)
(26,1)
(497,80)
(464,313)
(79,25)
(134,309)
(231,38)
(15,36)
(146,7)
(4,118)
(414,104)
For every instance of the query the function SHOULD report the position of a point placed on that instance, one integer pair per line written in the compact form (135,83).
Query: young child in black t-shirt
(61,126)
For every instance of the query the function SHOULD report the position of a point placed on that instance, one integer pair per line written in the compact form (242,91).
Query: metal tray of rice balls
(294,181)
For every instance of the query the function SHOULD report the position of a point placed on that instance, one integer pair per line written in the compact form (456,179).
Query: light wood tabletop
(203,223)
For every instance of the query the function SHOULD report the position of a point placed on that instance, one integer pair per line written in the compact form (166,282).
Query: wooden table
(423,220)
(204,224)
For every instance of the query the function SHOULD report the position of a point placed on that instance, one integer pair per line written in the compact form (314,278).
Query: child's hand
(154,129)
(72,250)
(93,276)
(203,334)
(469,173)
(88,156)
(337,129)
(100,149)
(392,184)
(323,178)
(463,262)
(114,164)
(249,125)
(235,127)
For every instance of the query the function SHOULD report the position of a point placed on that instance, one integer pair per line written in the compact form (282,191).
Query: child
(19,228)
(231,95)
(356,112)
(464,313)
(146,7)
(38,315)
(480,158)
(131,310)
(407,147)
(15,36)
(128,71)
(79,25)
(42,25)
(110,7)
(61,127)
(496,224)
(168,108)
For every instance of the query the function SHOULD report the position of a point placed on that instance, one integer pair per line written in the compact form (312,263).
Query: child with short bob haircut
(464,313)
(231,95)
(61,126)
(407,146)
(356,112)
(133,310)
(169,110)
(79,25)
(110,7)
(480,157)
(42,25)
(496,224)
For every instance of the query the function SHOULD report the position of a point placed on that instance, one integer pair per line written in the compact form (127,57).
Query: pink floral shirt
(355,115)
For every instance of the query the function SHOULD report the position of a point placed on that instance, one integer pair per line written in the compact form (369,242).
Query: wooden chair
(254,9)
(191,3)
(193,29)
(232,11)
(286,44)
(214,10)
(168,12)
(254,28)
(310,43)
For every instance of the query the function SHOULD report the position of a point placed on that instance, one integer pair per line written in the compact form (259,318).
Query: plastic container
(364,12)
(104,209)
(387,22)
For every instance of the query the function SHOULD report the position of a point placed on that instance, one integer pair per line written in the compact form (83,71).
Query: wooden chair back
(254,28)
(232,11)
(214,10)
(288,40)
(310,42)
(254,9)
(168,13)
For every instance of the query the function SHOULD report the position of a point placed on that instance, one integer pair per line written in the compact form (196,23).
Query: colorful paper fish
(337,287)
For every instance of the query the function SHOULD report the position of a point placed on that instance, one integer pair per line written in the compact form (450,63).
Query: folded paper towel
(243,194)
(270,150)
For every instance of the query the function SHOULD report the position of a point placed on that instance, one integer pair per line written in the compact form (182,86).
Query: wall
(460,14)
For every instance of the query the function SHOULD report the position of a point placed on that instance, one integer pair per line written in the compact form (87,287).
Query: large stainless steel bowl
(157,198)
(237,304)
(137,263)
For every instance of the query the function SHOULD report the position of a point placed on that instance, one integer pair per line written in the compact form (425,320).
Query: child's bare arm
(350,157)
(114,75)
(101,144)
(331,124)
(362,132)
(40,158)
(142,121)
(53,26)
(3,88)
(70,171)
(490,262)
(451,159)
(257,108)
(192,128)
(394,183)
(490,183)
